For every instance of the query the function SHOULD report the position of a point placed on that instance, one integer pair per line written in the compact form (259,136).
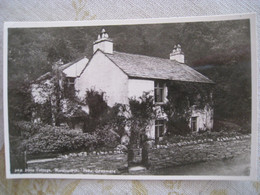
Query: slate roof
(140,66)
(73,69)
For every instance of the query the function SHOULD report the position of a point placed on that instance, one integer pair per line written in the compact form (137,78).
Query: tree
(140,114)
(20,105)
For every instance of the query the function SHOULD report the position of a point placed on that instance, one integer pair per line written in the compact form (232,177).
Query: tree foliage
(232,91)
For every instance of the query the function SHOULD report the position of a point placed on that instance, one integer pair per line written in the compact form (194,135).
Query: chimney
(57,64)
(103,42)
(177,54)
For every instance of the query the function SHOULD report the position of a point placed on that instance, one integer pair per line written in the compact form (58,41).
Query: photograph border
(254,105)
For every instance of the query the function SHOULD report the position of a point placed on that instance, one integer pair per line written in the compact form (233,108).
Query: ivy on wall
(181,97)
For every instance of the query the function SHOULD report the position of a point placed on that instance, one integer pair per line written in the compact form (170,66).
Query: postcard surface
(171,98)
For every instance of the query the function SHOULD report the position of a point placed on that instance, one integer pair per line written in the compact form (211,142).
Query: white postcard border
(254,70)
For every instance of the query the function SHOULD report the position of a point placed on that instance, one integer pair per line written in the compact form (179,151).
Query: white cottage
(123,75)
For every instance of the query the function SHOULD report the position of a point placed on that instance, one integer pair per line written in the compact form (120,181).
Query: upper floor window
(158,92)
(69,87)
(70,82)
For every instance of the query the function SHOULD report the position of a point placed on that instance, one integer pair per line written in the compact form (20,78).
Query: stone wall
(181,154)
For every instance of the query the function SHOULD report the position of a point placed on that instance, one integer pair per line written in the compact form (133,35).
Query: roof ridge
(144,56)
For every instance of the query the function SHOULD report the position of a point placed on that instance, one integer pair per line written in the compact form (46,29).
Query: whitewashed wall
(204,118)
(136,87)
(102,75)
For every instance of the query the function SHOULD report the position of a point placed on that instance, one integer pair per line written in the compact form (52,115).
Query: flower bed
(197,138)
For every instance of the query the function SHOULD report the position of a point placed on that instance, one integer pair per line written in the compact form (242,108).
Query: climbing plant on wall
(181,97)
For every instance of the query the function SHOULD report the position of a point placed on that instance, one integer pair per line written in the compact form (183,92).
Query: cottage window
(158,92)
(193,124)
(70,82)
(69,87)
(159,128)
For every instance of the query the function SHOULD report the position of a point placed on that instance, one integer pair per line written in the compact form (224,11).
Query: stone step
(136,169)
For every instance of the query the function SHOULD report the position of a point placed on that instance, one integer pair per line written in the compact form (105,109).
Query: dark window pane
(158,91)
(159,128)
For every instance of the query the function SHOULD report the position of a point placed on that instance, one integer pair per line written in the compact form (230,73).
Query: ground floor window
(193,124)
(159,128)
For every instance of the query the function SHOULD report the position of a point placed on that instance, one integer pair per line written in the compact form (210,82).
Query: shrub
(141,112)
(229,126)
(178,126)
(107,137)
(53,139)
(103,120)
(59,139)
(97,108)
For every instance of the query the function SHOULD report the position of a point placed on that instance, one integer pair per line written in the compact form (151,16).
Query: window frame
(159,123)
(70,83)
(193,120)
(69,90)
(159,90)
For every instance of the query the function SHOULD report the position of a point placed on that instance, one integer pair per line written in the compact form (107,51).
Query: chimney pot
(103,42)
(177,54)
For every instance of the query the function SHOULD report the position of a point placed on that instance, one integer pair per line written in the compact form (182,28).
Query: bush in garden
(104,128)
(59,139)
(230,126)
(103,120)
(107,137)
(178,126)
(53,139)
